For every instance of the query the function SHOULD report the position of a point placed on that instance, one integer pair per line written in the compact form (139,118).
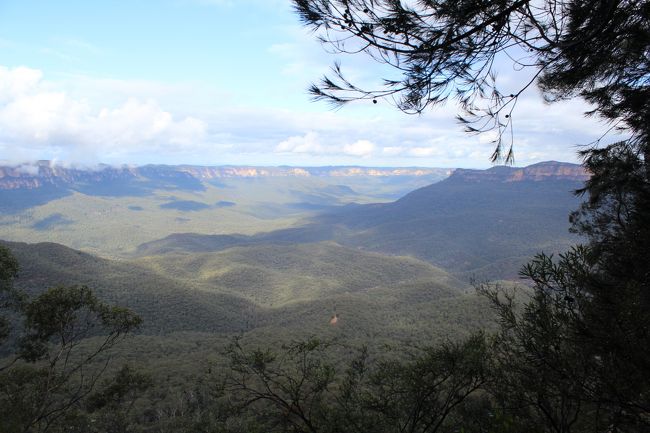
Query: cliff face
(44,173)
(246,171)
(550,170)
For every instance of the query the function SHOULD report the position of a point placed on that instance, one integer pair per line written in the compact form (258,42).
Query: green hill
(274,275)
(467,227)
(166,305)
(287,290)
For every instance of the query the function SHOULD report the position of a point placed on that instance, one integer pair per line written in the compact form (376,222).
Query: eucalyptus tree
(55,349)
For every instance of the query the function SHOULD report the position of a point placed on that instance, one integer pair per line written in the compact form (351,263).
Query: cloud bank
(139,122)
(38,119)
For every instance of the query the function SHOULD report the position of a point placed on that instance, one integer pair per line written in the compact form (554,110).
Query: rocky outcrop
(248,171)
(45,173)
(550,170)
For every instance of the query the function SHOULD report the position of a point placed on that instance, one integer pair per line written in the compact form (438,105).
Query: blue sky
(217,82)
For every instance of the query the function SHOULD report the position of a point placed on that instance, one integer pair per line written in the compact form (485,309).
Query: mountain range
(392,269)
(362,260)
(473,223)
(476,223)
(45,173)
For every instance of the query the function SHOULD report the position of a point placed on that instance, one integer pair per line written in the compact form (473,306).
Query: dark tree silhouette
(594,49)
(298,390)
(54,350)
(573,358)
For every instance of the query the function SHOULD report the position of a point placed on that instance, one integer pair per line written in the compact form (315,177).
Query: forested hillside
(288,289)
(482,224)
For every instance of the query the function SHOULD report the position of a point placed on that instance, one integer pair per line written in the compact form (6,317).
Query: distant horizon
(86,166)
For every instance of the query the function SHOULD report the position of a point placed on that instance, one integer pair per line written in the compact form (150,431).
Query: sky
(221,82)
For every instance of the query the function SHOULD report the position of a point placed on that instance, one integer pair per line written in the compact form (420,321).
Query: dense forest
(329,326)
(415,348)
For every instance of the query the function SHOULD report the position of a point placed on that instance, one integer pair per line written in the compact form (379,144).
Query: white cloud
(145,122)
(34,116)
(488,137)
(307,143)
(17,81)
(89,120)
(392,150)
(273,136)
(29,169)
(424,152)
(312,143)
(363,148)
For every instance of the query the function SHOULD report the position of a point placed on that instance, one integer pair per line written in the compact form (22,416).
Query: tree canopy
(570,359)
(50,350)
(594,49)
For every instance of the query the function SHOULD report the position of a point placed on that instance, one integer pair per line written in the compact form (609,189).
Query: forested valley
(160,298)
